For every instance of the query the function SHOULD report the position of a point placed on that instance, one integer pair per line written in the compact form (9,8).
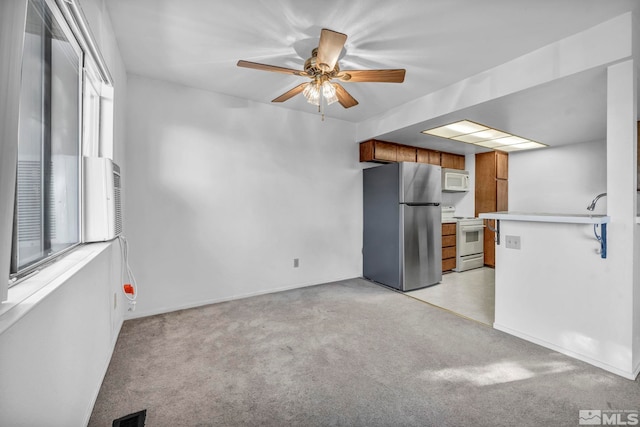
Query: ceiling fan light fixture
(329,92)
(323,66)
(312,93)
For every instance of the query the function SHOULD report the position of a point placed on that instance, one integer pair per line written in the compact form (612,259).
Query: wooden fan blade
(329,48)
(382,76)
(291,93)
(344,98)
(265,67)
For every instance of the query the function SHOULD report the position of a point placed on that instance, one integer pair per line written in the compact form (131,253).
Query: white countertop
(547,217)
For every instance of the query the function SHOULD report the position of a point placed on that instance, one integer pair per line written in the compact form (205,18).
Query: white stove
(469,239)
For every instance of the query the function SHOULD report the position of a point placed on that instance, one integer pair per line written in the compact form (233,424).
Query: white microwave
(455,180)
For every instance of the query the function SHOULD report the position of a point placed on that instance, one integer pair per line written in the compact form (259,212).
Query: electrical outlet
(296,262)
(512,242)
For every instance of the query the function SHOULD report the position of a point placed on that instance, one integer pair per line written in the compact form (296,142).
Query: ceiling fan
(321,68)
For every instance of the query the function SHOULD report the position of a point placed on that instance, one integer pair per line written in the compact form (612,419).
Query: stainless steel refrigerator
(402,225)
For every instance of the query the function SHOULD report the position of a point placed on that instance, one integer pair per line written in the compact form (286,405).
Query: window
(66,112)
(47,211)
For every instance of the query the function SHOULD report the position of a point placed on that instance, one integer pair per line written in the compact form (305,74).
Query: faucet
(592,206)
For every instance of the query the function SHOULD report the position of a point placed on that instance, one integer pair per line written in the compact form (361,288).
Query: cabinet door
(502,165)
(502,195)
(366,151)
(489,244)
(385,151)
(422,155)
(452,161)
(485,197)
(428,156)
(434,158)
(406,154)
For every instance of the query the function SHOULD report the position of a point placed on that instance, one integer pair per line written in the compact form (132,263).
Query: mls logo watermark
(597,417)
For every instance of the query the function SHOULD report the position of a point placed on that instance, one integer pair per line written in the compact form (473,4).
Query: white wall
(53,360)
(556,290)
(560,179)
(636,250)
(224,193)
(464,202)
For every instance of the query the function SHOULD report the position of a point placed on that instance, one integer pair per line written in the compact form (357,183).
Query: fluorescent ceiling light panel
(455,129)
(489,144)
(465,126)
(510,140)
(483,136)
(518,147)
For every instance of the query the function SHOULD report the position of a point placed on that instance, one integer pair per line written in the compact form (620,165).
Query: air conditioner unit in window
(102,219)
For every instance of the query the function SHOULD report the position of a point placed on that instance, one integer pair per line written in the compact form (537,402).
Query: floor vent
(131,420)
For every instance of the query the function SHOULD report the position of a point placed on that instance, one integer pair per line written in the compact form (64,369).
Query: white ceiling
(439,42)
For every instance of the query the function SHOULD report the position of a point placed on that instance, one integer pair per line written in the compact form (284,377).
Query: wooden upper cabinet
(378,151)
(385,151)
(428,156)
(406,153)
(375,150)
(452,161)
(491,189)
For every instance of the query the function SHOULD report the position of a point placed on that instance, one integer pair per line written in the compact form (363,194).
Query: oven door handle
(469,228)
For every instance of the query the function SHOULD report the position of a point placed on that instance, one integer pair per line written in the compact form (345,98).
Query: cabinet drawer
(449,240)
(448,264)
(449,252)
(448,229)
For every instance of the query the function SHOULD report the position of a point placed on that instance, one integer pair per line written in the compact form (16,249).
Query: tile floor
(469,293)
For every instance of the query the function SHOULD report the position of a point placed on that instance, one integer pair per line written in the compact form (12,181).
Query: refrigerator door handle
(422,204)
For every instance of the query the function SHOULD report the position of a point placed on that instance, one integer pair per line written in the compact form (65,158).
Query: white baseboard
(163,310)
(602,365)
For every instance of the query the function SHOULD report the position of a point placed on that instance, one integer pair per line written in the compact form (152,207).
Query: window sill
(29,293)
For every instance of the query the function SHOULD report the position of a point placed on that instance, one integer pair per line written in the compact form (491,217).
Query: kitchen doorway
(469,294)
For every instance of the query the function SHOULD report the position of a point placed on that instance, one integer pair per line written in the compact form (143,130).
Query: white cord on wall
(125,269)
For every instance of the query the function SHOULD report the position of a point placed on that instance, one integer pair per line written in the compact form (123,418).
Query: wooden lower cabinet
(448,246)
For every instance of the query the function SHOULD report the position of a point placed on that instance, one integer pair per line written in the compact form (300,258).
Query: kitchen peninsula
(552,282)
